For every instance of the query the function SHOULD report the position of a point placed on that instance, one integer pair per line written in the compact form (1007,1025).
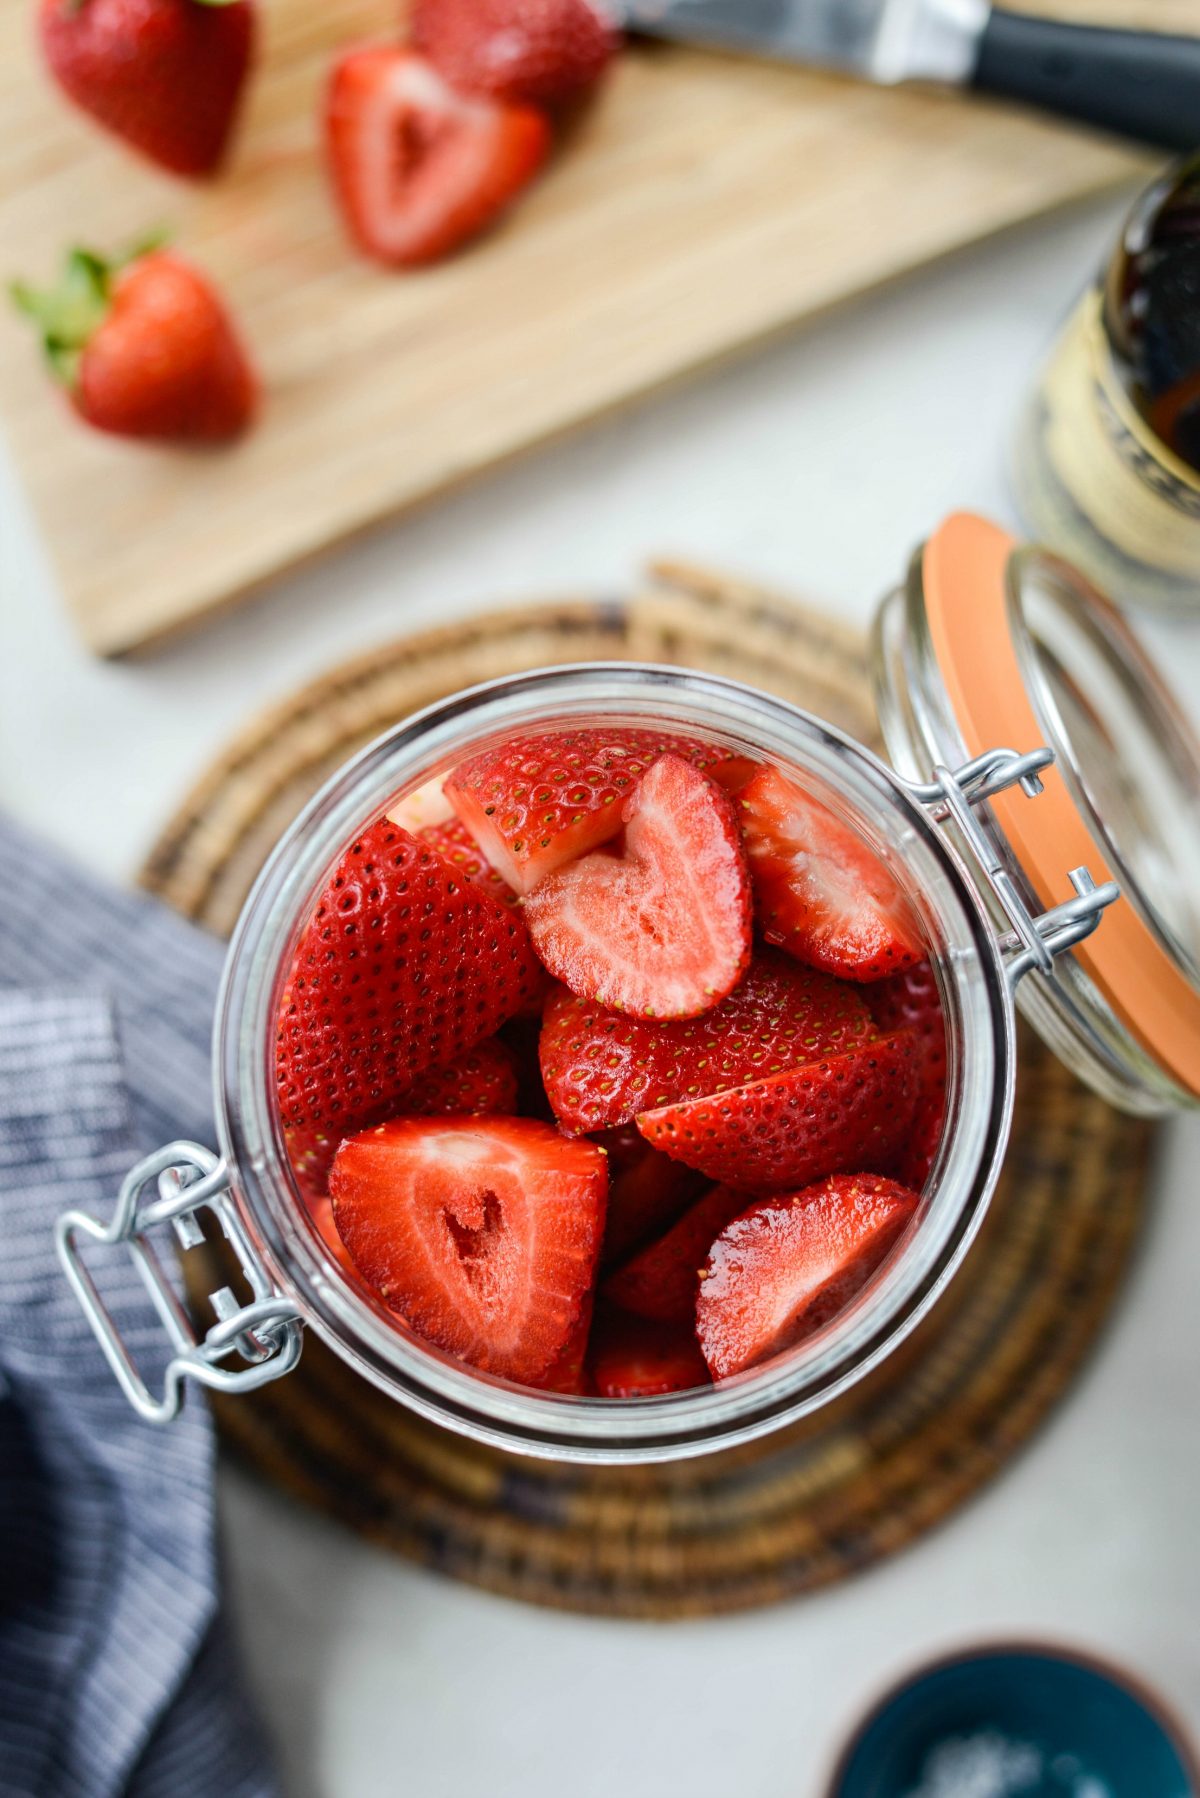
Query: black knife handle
(1142,84)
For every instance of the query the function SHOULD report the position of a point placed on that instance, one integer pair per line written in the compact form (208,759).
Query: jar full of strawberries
(614,1062)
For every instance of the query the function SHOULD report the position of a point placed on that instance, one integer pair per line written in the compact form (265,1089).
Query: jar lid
(1030,653)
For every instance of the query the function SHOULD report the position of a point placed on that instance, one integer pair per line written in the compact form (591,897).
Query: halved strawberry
(661,928)
(788,1265)
(483,1233)
(647,1191)
(843,1111)
(820,892)
(662,1281)
(402,969)
(535,803)
(910,1000)
(546,51)
(481,1082)
(601,1068)
(418,168)
(634,1357)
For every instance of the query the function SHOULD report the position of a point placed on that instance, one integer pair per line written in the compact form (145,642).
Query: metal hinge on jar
(1035,938)
(264,1333)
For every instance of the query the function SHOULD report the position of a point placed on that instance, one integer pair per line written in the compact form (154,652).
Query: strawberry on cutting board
(482,1233)
(635,1357)
(819,891)
(853,1109)
(544,51)
(403,968)
(660,927)
(418,168)
(166,75)
(601,1068)
(535,803)
(144,347)
(788,1265)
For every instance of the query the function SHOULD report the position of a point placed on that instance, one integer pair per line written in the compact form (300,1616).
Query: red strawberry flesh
(418,168)
(789,1129)
(483,1234)
(403,968)
(535,803)
(601,1068)
(788,1265)
(661,928)
(568,1373)
(820,892)
(647,1191)
(548,51)
(662,1280)
(634,1357)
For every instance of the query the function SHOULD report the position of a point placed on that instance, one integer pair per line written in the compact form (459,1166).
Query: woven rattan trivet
(819,1500)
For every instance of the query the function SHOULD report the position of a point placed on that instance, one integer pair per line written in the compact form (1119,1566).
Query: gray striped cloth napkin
(117,1674)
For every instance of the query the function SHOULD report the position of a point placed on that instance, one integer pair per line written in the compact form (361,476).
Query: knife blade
(1142,84)
(878,40)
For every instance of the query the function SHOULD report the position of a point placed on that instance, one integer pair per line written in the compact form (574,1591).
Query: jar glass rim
(975,996)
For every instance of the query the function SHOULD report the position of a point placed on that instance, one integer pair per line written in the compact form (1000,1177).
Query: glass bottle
(1107,456)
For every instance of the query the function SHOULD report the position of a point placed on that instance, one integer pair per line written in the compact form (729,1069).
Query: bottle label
(1134,491)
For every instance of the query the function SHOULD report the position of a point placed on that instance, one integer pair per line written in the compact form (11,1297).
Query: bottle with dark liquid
(1108,455)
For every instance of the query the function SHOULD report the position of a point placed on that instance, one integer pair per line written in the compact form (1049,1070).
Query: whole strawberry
(166,75)
(540,51)
(144,347)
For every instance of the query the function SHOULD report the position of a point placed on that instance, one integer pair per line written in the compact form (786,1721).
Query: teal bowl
(1017,1722)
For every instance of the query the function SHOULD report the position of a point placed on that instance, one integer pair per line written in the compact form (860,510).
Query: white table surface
(815,465)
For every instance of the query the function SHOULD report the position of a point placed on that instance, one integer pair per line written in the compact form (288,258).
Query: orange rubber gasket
(965,582)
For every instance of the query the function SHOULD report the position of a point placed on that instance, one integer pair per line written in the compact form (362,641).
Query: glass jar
(989,933)
(1106,463)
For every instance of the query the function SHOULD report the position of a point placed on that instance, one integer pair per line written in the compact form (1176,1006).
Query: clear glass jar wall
(975,999)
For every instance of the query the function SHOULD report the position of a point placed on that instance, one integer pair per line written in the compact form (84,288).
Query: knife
(1142,84)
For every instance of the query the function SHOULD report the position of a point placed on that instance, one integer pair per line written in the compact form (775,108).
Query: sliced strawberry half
(482,1081)
(647,1191)
(418,168)
(634,1357)
(910,1000)
(535,803)
(601,1068)
(843,1111)
(788,1265)
(402,969)
(661,928)
(662,1281)
(820,892)
(483,1234)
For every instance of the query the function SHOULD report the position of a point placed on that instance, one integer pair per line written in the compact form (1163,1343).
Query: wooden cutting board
(701,204)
